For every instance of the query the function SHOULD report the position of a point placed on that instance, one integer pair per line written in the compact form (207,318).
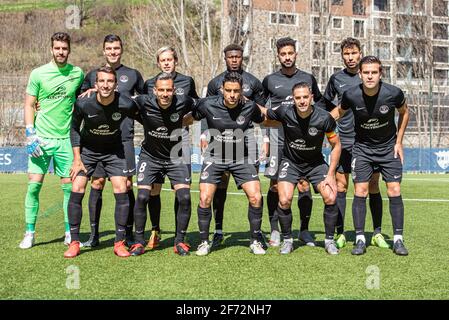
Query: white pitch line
(319,197)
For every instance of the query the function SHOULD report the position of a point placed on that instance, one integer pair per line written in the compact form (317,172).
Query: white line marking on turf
(319,197)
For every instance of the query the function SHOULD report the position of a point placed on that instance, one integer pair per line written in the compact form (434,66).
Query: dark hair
(60,36)
(301,85)
(369,60)
(350,42)
(106,69)
(283,42)
(112,38)
(232,47)
(164,76)
(165,49)
(232,77)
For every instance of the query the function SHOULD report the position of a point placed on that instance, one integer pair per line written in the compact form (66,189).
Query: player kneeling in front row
(100,142)
(228,119)
(304,127)
(163,116)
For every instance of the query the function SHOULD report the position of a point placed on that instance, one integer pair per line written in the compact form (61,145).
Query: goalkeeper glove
(34,143)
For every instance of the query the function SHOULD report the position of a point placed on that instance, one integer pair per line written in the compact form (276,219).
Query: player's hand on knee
(331,183)
(76,168)
(203,142)
(34,143)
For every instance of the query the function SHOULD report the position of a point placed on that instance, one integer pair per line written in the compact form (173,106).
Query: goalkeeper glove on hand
(34,143)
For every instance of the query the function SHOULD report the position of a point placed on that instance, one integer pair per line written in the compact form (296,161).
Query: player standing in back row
(338,83)
(378,142)
(278,90)
(55,86)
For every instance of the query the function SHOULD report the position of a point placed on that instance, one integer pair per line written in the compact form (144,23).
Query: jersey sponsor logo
(179,91)
(300,141)
(116,116)
(204,175)
(384,109)
(174,117)
(103,127)
(60,93)
(124,78)
(140,177)
(246,87)
(313,131)
(240,120)
(443,159)
(373,124)
(288,101)
(162,129)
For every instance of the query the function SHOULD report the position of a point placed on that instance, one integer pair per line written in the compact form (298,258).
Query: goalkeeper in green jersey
(54,86)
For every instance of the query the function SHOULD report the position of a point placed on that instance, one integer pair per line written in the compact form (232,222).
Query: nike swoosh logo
(275,108)
(132,170)
(125,171)
(187,179)
(215,118)
(396,177)
(288,125)
(92,115)
(254,175)
(148,114)
(71,229)
(359,108)
(342,85)
(277,87)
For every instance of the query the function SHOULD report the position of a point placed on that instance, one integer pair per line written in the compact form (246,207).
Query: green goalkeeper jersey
(55,89)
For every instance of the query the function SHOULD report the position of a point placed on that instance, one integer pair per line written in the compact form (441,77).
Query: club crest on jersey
(124,78)
(204,175)
(245,87)
(140,176)
(179,91)
(240,120)
(313,131)
(162,129)
(384,109)
(443,159)
(174,117)
(283,174)
(271,171)
(116,116)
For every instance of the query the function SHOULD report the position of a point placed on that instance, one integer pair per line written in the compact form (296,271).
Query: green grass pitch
(230,272)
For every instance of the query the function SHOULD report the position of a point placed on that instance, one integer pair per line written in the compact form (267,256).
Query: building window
(409,70)
(440,8)
(337,23)
(320,6)
(382,50)
(336,47)
(358,29)
(440,74)
(440,31)
(316,25)
(410,6)
(337,2)
(382,26)
(441,54)
(410,26)
(319,50)
(408,50)
(386,73)
(358,7)
(381,5)
(283,18)
(319,73)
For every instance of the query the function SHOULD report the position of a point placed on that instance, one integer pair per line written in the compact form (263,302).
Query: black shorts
(211,172)
(366,159)
(272,166)
(113,163)
(151,170)
(130,157)
(315,173)
(344,165)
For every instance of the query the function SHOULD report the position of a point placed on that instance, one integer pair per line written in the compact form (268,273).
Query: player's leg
(62,161)
(305,203)
(218,208)
(376,208)
(180,178)
(247,178)
(95,204)
(121,213)
(130,157)
(210,177)
(342,180)
(391,169)
(75,213)
(271,172)
(284,212)
(317,176)
(154,208)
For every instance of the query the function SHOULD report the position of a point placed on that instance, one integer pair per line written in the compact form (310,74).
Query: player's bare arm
(402,125)
(338,112)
